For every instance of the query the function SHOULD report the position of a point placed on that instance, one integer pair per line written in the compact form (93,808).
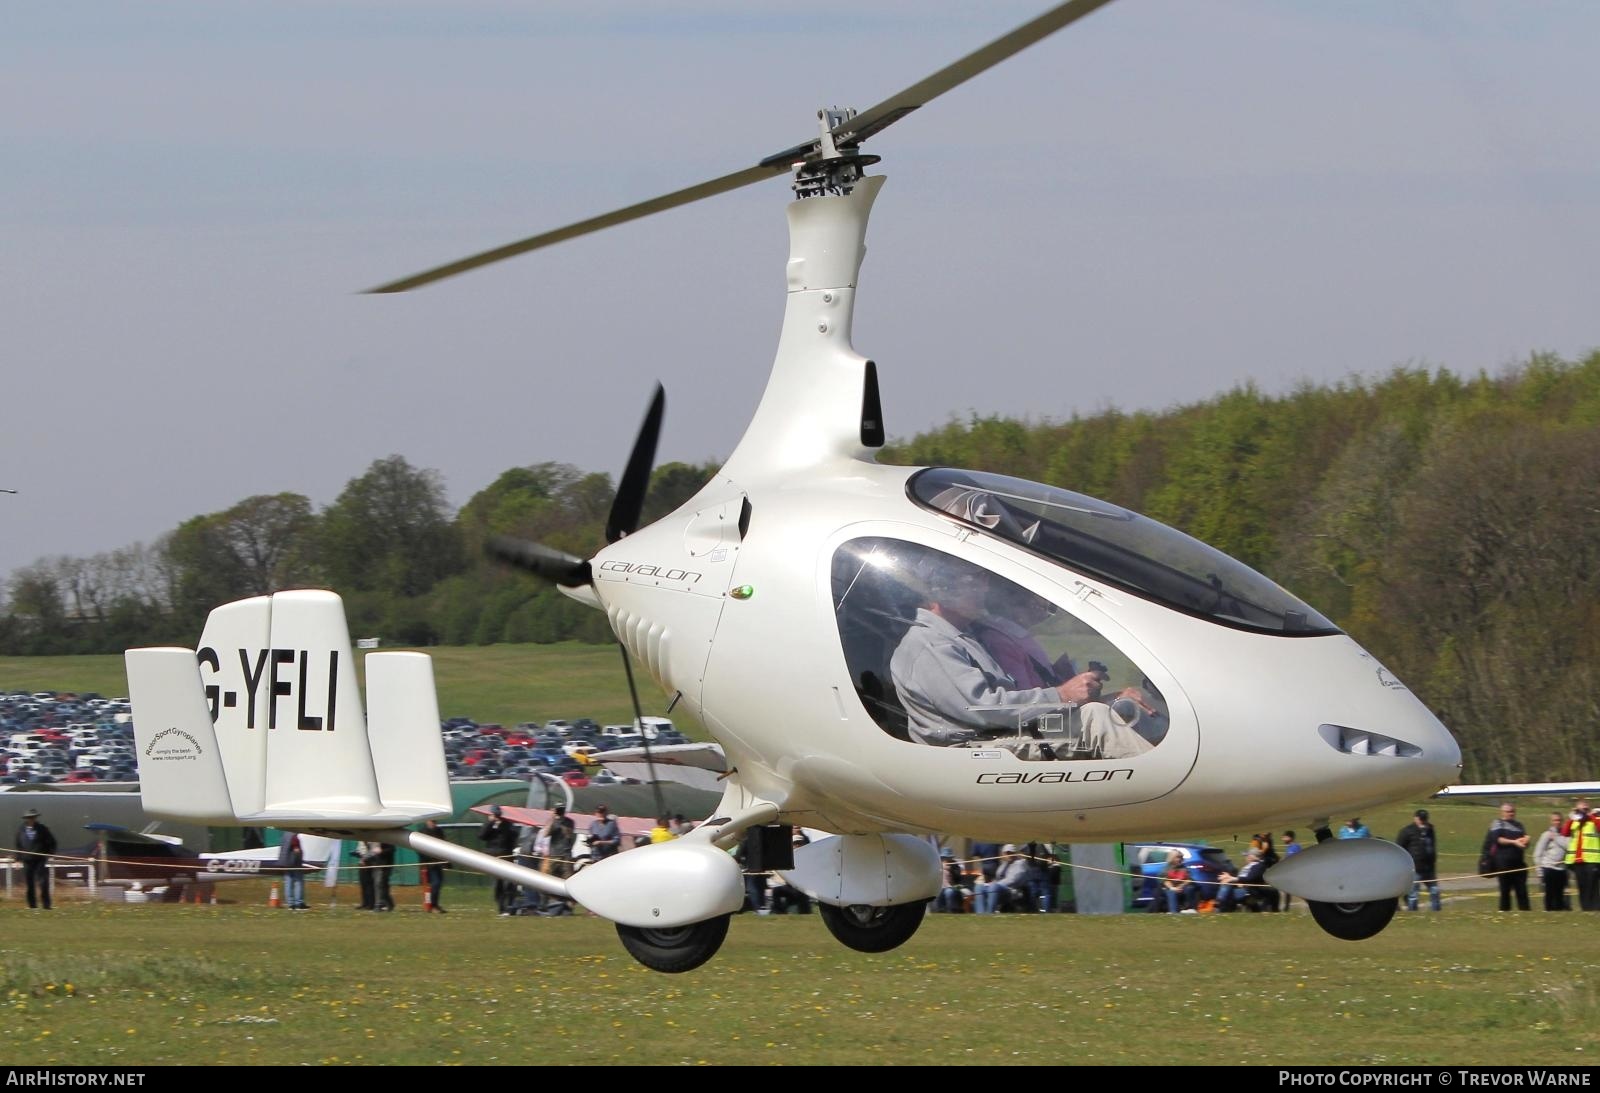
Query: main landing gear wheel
(675,949)
(1354,921)
(873,929)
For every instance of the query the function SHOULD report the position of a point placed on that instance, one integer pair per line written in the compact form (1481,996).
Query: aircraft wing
(700,766)
(1523,789)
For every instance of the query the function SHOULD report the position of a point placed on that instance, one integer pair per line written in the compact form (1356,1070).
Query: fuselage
(863,640)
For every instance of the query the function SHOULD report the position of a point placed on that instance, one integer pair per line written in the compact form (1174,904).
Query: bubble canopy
(1119,547)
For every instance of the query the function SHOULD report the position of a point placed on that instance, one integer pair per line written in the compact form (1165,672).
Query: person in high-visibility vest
(1583,855)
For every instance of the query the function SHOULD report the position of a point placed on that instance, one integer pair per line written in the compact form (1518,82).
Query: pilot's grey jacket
(953,690)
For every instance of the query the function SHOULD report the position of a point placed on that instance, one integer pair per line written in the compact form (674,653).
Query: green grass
(127,985)
(495,683)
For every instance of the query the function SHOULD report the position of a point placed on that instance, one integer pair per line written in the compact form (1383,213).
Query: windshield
(1119,547)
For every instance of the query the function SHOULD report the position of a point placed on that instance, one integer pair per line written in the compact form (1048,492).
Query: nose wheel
(873,929)
(675,948)
(1354,921)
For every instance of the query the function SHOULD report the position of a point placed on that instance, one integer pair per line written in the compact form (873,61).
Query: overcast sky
(1159,203)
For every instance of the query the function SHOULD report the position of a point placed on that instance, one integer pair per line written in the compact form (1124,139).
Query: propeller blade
(638,719)
(629,503)
(874,119)
(540,560)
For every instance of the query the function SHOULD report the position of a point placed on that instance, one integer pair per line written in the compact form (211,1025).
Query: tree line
(1450,524)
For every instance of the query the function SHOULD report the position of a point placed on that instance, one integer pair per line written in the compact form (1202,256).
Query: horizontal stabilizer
(271,704)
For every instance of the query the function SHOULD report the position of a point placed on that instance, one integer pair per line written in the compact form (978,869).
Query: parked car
(575,778)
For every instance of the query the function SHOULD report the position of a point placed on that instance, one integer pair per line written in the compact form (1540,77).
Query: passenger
(956,693)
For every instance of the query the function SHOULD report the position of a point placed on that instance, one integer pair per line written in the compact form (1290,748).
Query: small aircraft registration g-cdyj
(881,652)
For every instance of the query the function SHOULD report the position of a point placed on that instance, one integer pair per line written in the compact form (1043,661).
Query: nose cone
(1387,736)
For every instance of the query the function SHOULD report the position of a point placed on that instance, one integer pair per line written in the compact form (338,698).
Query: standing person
(1419,839)
(559,837)
(382,896)
(292,860)
(605,837)
(1583,854)
(34,845)
(432,867)
(1041,896)
(1291,847)
(662,832)
(367,854)
(499,837)
(1550,855)
(1505,845)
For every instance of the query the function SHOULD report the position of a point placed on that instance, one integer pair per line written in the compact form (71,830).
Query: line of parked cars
(558,747)
(52,736)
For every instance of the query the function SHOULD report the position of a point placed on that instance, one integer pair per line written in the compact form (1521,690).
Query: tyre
(873,929)
(676,949)
(1354,921)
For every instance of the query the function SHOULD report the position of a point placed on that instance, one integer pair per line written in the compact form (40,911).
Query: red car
(575,778)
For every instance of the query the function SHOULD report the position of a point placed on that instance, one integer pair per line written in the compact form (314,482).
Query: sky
(1159,203)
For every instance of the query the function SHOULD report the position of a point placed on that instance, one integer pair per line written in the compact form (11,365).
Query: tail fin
(263,724)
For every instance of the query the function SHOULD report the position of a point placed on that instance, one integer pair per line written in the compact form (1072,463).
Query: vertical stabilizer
(180,767)
(403,725)
(318,756)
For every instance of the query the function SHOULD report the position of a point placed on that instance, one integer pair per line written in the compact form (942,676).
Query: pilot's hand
(1083,687)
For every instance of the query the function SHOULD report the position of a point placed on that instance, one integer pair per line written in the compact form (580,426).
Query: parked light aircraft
(145,859)
(882,653)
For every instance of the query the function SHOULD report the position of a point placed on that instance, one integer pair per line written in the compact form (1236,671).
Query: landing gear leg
(873,929)
(676,949)
(1354,921)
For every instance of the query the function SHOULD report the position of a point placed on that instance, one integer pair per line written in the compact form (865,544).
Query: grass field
(240,984)
(503,684)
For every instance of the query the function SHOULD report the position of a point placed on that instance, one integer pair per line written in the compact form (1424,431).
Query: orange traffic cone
(272,900)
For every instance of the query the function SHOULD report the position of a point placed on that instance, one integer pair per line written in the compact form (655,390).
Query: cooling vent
(646,642)
(1363,742)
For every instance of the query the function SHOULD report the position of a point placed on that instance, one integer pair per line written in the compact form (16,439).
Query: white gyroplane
(882,653)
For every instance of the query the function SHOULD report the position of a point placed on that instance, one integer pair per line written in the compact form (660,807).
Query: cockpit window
(945,653)
(1119,547)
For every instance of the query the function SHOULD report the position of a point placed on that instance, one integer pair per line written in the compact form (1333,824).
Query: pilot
(956,693)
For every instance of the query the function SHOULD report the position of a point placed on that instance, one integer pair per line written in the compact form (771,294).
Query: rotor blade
(846,134)
(853,131)
(540,560)
(629,504)
(583,227)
